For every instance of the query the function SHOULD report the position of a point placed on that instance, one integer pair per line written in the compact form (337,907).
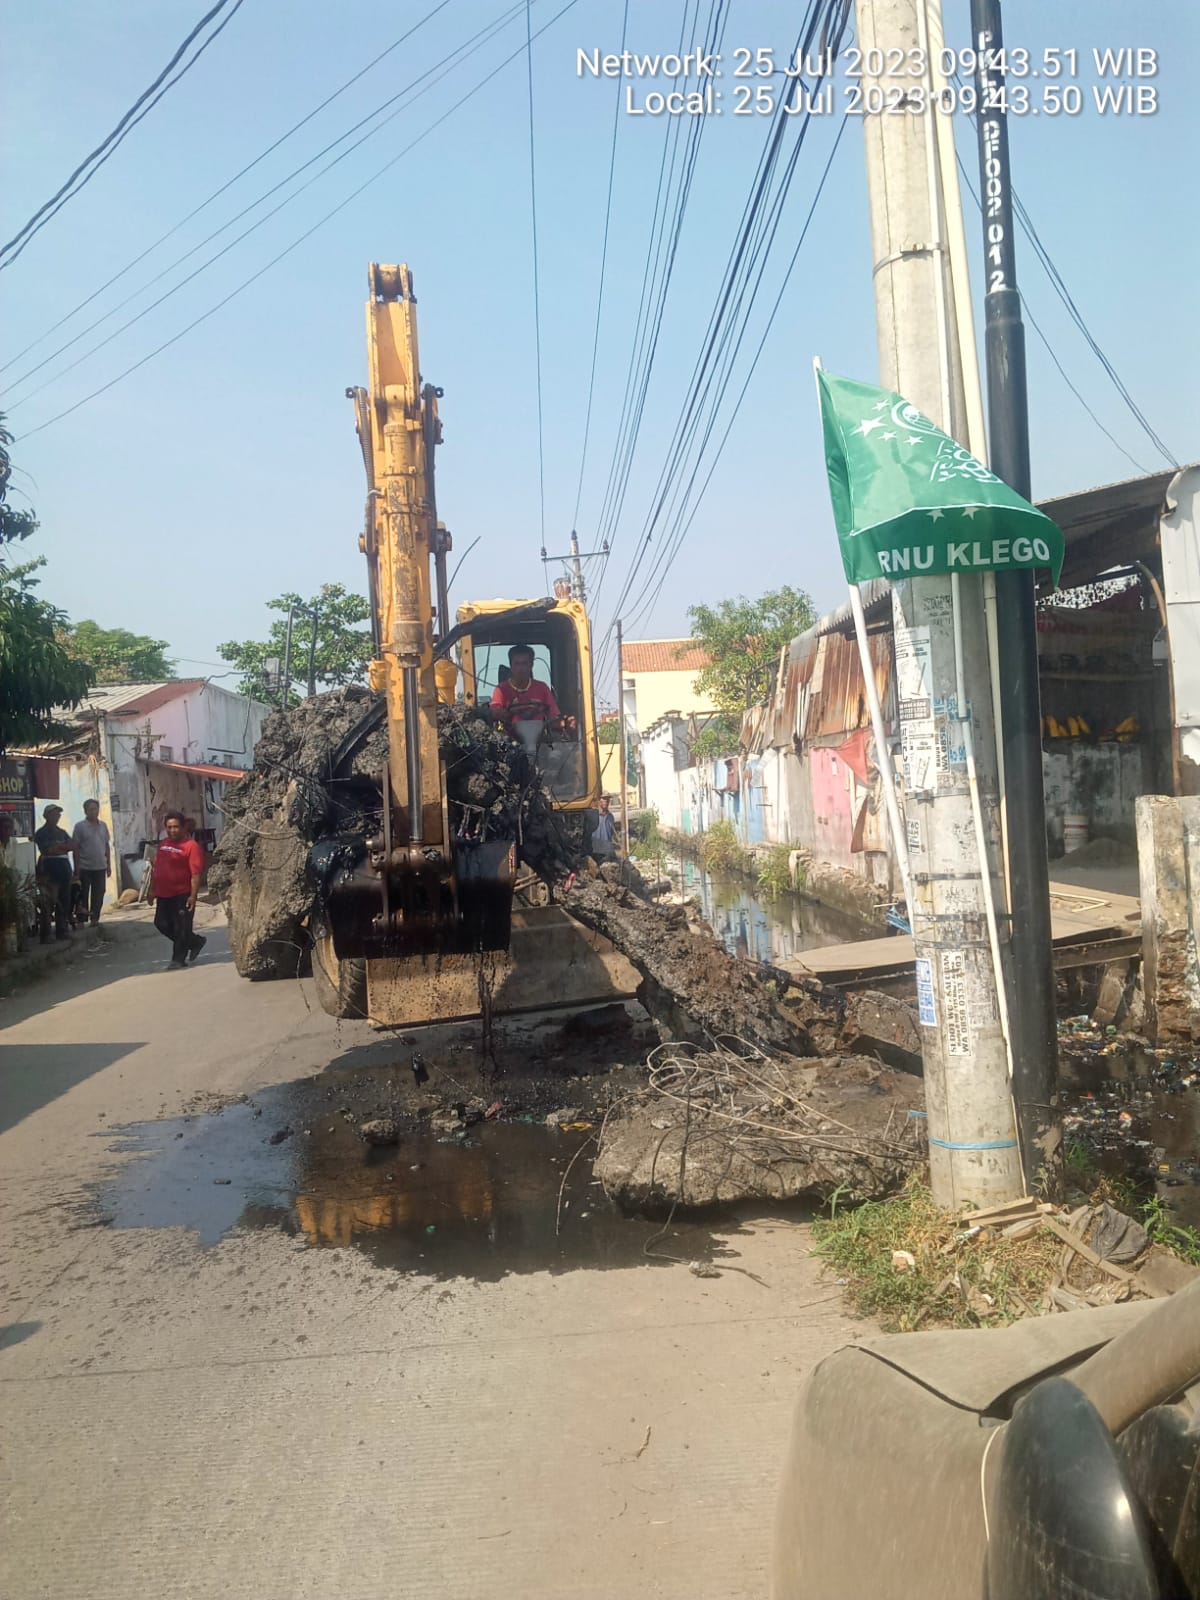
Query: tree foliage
(343,646)
(37,672)
(609,732)
(719,737)
(743,639)
(117,655)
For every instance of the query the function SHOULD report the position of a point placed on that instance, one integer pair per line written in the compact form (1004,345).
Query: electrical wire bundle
(680,486)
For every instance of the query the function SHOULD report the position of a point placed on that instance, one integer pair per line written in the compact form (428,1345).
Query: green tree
(117,655)
(343,646)
(742,639)
(609,732)
(37,672)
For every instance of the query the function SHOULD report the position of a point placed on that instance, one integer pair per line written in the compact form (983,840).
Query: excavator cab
(557,632)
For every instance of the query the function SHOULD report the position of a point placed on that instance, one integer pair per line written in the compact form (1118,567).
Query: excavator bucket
(551,963)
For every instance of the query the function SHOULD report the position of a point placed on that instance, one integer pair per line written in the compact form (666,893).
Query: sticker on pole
(926,1009)
(954,997)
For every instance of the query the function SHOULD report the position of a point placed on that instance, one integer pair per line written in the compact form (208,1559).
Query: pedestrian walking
(178,865)
(55,871)
(93,858)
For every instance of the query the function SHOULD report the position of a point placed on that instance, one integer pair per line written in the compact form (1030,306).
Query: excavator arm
(422,882)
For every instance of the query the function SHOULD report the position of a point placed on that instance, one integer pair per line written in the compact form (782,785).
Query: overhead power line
(739,285)
(1037,328)
(682,531)
(307,234)
(217,193)
(675,178)
(537,298)
(434,75)
(95,159)
(728,324)
(1064,294)
(612,163)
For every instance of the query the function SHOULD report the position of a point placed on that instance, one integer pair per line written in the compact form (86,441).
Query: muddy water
(1139,1113)
(498,1198)
(757,928)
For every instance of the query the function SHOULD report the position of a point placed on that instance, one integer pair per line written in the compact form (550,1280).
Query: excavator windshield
(567,757)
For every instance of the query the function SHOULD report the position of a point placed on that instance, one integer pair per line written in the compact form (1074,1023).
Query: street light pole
(287,661)
(624,746)
(312,652)
(1033,1024)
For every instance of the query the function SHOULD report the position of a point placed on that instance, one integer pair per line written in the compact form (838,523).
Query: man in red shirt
(524,699)
(178,867)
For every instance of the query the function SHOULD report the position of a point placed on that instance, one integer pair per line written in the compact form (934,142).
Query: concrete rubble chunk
(854,1134)
(879,1024)
(379,1131)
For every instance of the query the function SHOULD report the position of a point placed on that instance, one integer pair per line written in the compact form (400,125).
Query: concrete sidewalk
(264,1419)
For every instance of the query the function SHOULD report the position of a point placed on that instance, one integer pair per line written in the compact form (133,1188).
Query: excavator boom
(416,919)
(422,883)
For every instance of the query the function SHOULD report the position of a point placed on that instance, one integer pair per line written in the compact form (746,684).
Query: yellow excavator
(433,920)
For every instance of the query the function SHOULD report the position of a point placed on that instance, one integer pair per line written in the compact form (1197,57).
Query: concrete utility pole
(973,1148)
(576,557)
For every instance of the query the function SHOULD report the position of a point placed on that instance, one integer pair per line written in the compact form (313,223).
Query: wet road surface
(501,1197)
(204,1398)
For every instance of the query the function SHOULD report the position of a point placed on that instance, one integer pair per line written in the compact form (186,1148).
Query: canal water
(754,927)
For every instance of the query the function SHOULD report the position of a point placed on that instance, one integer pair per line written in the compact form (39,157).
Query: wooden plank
(1087,929)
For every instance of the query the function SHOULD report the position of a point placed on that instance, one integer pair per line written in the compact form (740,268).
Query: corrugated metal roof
(128,699)
(662,655)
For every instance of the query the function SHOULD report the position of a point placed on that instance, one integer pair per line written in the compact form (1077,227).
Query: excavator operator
(524,703)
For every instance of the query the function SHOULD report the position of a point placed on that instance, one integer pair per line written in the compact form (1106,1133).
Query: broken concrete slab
(854,1134)
(879,1024)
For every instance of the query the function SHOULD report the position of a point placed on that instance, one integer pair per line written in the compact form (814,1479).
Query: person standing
(178,866)
(55,870)
(93,858)
(604,834)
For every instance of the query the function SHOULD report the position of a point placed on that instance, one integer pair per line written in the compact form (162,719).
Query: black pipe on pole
(1032,1020)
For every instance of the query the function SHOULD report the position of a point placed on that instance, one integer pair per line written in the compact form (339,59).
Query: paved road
(260,1418)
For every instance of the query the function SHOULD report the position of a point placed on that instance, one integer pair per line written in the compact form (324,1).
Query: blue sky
(227,470)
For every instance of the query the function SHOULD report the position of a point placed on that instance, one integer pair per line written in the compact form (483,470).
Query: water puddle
(758,929)
(498,1198)
(1138,1113)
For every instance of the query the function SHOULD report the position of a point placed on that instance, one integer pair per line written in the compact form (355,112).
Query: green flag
(908,500)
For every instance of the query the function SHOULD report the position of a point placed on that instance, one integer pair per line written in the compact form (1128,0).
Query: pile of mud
(690,983)
(316,774)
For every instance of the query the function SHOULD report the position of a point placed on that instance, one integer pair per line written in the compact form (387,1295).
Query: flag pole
(883,751)
(883,754)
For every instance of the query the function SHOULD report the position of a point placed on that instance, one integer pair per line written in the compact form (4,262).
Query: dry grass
(957,1282)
